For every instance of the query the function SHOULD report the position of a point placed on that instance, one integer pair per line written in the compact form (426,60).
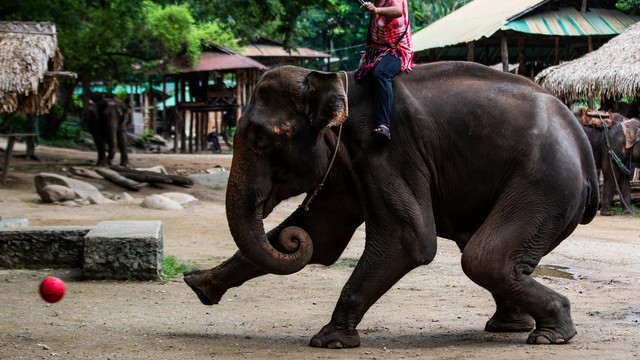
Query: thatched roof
(612,71)
(27,51)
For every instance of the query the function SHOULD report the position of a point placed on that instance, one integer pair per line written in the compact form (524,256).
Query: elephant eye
(259,138)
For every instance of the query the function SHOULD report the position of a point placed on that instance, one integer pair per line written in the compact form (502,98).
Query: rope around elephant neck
(305,204)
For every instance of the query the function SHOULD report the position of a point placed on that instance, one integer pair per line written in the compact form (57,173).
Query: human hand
(369,7)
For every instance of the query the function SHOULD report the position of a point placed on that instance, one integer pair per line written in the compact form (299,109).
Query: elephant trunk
(247,194)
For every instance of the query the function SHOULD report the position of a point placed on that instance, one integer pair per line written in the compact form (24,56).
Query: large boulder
(83,191)
(56,193)
(159,202)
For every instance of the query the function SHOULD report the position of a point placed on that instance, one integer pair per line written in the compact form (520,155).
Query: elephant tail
(592,201)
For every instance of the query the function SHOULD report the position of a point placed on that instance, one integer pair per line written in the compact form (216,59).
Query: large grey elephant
(487,159)
(106,121)
(622,139)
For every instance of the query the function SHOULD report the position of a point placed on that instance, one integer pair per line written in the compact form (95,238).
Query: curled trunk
(245,201)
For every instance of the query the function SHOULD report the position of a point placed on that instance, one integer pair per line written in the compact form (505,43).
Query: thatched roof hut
(612,71)
(29,58)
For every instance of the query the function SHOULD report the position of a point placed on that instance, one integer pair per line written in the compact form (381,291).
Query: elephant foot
(333,338)
(548,336)
(510,323)
(201,283)
(607,212)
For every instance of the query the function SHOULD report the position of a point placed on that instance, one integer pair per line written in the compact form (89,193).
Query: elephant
(487,159)
(623,139)
(107,121)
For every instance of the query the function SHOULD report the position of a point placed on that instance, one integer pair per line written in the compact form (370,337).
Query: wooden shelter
(612,71)
(202,96)
(30,63)
(531,33)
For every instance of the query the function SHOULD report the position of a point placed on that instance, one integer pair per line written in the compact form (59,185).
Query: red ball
(52,289)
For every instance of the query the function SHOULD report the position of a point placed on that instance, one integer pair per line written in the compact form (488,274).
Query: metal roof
(477,19)
(483,18)
(571,22)
(210,61)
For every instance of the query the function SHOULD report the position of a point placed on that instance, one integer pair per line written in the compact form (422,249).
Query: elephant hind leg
(509,318)
(501,257)
(211,284)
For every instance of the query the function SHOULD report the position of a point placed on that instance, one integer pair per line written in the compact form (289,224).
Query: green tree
(629,6)
(100,40)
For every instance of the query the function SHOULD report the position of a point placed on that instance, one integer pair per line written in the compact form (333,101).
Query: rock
(56,193)
(125,197)
(81,189)
(215,178)
(180,198)
(160,202)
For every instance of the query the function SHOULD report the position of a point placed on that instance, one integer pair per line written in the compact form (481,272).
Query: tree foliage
(629,6)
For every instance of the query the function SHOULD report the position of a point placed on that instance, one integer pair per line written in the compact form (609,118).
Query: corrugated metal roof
(483,18)
(571,22)
(209,61)
(477,19)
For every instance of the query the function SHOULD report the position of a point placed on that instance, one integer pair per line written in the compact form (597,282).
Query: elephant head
(279,152)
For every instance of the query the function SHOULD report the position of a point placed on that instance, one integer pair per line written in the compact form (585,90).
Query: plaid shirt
(386,31)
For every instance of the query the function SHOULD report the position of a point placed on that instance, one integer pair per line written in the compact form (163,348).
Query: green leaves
(629,6)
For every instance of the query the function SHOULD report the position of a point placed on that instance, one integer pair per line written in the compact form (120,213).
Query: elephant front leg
(379,268)
(212,283)
(122,145)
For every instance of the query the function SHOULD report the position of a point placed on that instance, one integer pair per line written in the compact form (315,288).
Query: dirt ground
(434,312)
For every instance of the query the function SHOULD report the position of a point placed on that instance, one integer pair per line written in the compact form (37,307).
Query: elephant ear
(631,130)
(326,99)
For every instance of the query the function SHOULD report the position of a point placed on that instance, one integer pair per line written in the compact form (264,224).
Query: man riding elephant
(487,159)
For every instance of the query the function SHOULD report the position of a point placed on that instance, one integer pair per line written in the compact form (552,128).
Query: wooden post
(191,131)
(521,59)
(153,102)
(504,52)
(590,43)
(470,51)
(183,131)
(584,6)
(557,51)
(238,94)
(165,130)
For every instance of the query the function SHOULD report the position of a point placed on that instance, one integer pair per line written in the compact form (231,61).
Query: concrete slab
(124,250)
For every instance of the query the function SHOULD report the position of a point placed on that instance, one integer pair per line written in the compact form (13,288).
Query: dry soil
(434,312)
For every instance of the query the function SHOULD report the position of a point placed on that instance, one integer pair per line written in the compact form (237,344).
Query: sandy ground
(434,312)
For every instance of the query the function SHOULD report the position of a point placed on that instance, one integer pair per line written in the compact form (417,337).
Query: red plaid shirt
(386,31)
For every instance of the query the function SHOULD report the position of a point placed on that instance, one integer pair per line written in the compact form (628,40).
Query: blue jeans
(382,75)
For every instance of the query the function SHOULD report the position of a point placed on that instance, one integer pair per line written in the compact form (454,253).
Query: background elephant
(623,140)
(107,121)
(487,159)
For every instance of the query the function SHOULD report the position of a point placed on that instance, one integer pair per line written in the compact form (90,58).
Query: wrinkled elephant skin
(106,121)
(487,159)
